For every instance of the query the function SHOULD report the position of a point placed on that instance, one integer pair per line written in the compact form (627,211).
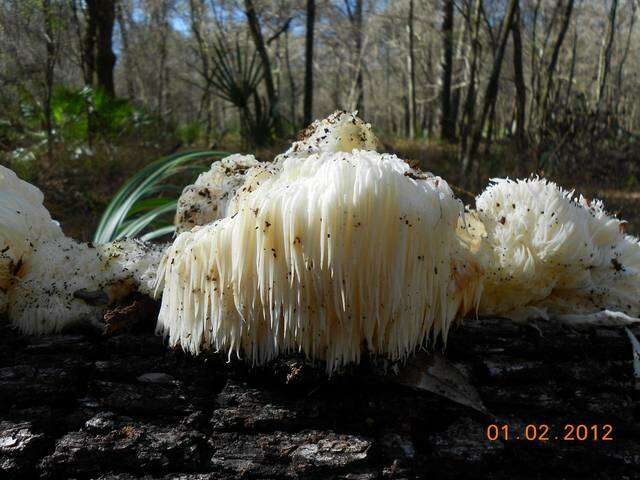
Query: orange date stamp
(540,432)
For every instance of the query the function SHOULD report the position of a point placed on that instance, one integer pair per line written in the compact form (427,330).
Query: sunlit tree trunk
(521,89)
(411,62)
(447,124)
(308,58)
(491,91)
(605,57)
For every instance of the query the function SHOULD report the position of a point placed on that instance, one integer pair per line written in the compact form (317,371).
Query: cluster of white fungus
(327,253)
(330,250)
(546,252)
(49,281)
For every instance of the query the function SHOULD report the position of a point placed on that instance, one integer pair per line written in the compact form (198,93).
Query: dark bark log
(125,406)
(447,124)
(308,58)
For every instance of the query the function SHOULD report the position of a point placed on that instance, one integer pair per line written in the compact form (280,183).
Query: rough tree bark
(308,58)
(125,407)
(447,123)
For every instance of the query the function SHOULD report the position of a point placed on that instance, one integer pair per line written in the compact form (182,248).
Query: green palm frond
(138,208)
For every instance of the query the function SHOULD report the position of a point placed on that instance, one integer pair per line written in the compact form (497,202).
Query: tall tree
(491,91)
(605,55)
(521,89)
(411,67)
(99,55)
(551,67)
(50,62)
(308,58)
(258,39)
(355,15)
(447,122)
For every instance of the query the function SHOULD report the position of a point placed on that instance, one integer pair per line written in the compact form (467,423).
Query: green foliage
(81,114)
(189,133)
(141,204)
(236,75)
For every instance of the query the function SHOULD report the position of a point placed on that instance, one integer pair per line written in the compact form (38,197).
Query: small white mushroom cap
(334,253)
(339,132)
(547,251)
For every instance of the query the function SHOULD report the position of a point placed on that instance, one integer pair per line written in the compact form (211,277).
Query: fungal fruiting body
(547,252)
(65,282)
(23,220)
(207,199)
(335,251)
(49,281)
(339,132)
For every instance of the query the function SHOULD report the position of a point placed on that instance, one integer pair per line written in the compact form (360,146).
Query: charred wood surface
(125,406)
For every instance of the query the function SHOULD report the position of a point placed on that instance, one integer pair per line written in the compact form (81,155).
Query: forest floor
(125,406)
(78,190)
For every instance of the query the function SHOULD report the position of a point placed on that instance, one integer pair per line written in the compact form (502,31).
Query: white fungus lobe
(547,252)
(331,253)
(49,281)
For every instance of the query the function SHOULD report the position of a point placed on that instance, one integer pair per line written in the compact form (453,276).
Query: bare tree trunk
(355,17)
(124,34)
(554,60)
(521,89)
(50,63)
(258,40)
(411,76)
(308,70)
(572,69)
(293,89)
(491,92)
(605,63)
(625,54)
(98,47)
(447,125)
(468,111)
(533,68)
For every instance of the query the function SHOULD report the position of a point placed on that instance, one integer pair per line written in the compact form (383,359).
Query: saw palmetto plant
(145,205)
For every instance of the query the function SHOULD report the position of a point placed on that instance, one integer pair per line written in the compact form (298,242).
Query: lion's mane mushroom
(547,252)
(332,252)
(49,281)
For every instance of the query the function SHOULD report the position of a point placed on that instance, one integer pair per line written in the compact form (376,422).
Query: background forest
(92,91)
